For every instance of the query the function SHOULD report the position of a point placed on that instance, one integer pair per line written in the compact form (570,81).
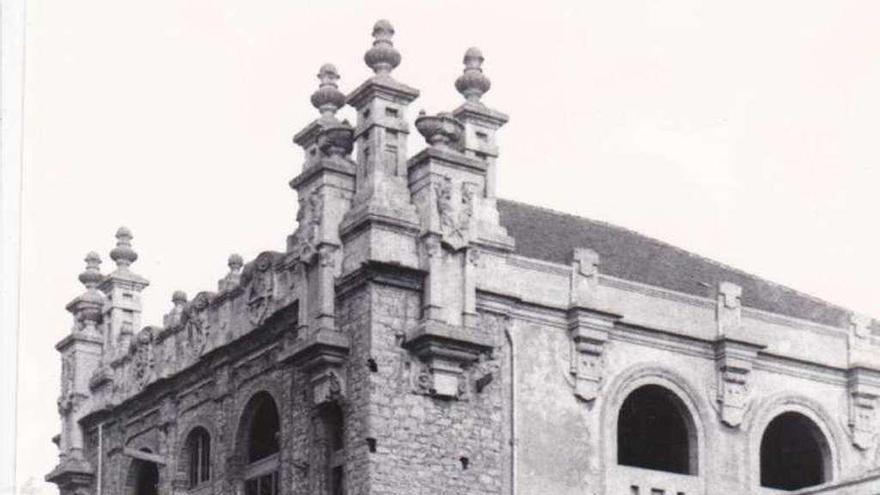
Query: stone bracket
(734,360)
(589,330)
(321,357)
(446,350)
(863,386)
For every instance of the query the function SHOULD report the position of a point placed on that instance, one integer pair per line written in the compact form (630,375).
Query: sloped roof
(551,236)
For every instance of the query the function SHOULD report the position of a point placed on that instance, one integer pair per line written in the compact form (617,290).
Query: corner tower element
(382,200)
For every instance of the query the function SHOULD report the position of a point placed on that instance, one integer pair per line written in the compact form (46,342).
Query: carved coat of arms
(259,293)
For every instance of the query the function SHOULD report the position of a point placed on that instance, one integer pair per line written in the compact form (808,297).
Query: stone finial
(382,57)
(123,254)
(441,130)
(472,84)
(328,99)
(92,275)
(178,298)
(235,263)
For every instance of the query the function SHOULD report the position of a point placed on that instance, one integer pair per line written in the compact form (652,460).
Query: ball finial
(382,57)
(92,275)
(123,254)
(472,84)
(235,262)
(328,99)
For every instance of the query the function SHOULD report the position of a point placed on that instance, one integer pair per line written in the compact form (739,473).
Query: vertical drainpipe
(513,438)
(100,456)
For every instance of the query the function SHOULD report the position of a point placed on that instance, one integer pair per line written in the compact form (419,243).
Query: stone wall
(426,444)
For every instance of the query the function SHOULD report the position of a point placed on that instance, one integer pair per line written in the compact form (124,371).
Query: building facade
(420,335)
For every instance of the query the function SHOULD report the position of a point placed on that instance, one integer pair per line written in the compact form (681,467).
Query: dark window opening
(147,478)
(198,445)
(333,423)
(792,453)
(655,431)
(264,430)
(266,484)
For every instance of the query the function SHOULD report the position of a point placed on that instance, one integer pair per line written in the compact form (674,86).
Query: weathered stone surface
(409,347)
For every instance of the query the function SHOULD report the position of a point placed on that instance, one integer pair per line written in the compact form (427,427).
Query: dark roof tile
(551,236)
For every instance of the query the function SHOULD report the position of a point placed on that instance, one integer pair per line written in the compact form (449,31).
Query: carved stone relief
(261,289)
(143,362)
(309,218)
(196,325)
(455,217)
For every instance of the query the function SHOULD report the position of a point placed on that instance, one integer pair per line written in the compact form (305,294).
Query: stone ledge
(324,347)
(434,339)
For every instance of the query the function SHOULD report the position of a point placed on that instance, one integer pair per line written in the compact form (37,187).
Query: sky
(742,131)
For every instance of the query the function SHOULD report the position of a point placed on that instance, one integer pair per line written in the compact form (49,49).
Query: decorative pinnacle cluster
(92,275)
(382,57)
(327,98)
(472,84)
(123,254)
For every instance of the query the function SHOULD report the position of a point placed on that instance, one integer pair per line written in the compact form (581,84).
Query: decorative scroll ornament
(143,361)
(259,293)
(195,322)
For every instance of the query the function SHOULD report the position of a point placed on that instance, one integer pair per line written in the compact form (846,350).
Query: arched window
(143,477)
(656,431)
(198,454)
(261,445)
(794,453)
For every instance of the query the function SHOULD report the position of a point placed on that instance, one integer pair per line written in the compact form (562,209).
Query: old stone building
(422,336)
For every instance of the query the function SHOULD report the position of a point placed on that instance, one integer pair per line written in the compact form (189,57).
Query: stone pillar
(382,223)
(325,188)
(863,383)
(123,287)
(81,355)
(734,358)
(589,325)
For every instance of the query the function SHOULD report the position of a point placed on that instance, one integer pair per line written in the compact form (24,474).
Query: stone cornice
(446,157)
(381,86)
(339,166)
(480,113)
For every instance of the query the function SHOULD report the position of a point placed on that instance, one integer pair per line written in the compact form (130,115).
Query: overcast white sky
(743,131)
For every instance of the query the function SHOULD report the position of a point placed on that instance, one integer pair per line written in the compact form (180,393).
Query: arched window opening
(143,477)
(656,431)
(198,449)
(261,445)
(794,453)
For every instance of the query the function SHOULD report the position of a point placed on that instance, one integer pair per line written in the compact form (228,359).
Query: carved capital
(733,363)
